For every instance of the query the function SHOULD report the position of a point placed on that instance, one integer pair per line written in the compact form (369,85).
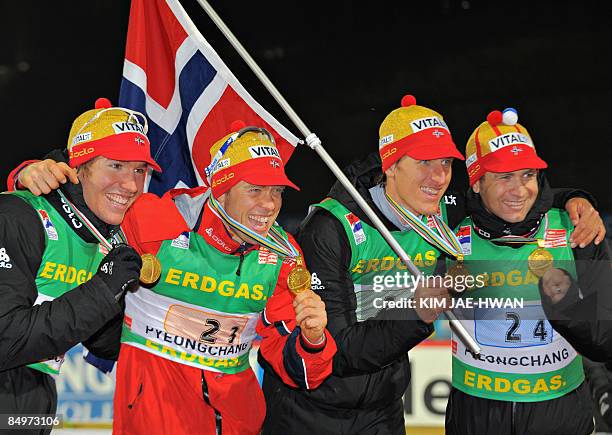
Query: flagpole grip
(315,143)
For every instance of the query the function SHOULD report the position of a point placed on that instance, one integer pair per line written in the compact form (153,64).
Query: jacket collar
(216,234)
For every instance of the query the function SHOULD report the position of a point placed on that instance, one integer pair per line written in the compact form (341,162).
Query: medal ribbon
(274,241)
(443,238)
(117,237)
(525,240)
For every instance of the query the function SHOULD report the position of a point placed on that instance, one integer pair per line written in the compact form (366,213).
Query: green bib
(372,259)
(201,313)
(67,262)
(523,359)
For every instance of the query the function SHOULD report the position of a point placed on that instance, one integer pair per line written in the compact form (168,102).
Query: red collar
(216,234)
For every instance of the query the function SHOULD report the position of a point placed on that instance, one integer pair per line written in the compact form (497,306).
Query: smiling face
(419,184)
(255,207)
(508,195)
(110,187)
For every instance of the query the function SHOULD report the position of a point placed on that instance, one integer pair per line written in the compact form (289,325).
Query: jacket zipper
(131,404)
(218,420)
(241,249)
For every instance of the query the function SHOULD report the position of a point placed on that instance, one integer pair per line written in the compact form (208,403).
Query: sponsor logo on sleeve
(464,235)
(315,282)
(182,241)
(48,225)
(356,228)
(5,260)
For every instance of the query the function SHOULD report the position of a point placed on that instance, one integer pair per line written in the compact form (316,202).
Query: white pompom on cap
(510,116)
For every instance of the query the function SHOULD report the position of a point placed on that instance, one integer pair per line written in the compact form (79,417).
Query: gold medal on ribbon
(299,278)
(539,261)
(151,269)
(459,269)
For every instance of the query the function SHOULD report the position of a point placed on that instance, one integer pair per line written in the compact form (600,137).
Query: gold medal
(299,278)
(457,270)
(539,261)
(151,269)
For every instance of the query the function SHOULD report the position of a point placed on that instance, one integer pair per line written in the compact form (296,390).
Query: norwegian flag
(189,95)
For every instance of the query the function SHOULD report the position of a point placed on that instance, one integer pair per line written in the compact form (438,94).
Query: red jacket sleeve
(150,221)
(283,346)
(11,181)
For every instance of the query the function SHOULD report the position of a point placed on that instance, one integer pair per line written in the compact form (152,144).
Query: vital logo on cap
(82,137)
(263,151)
(429,122)
(509,139)
(127,127)
(385,140)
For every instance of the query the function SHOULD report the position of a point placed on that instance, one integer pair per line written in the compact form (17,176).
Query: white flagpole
(315,143)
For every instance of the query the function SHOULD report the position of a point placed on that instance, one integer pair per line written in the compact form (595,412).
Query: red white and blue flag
(173,76)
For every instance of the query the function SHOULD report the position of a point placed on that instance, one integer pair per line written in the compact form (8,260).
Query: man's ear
(476,186)
(390,172)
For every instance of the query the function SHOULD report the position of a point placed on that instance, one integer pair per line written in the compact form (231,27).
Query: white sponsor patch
(464,236)
(182,241)
(263,151)
(509,139)
(356,228)
(48,225)
(5,260)
(385,140)
(267,257)
(471,159)
(127,127)
(430,122)
(81,137)
(222,164)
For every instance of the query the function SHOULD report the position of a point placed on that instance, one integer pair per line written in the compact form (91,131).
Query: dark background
(343,65)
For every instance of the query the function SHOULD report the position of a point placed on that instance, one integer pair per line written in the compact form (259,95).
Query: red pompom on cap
(408,100)
(103,103)
(237,125)
(495,118)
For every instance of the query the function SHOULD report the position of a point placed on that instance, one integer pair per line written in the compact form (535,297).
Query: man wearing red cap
(225,273)
(63,270)
(226,276)
(528,379)
(350,262)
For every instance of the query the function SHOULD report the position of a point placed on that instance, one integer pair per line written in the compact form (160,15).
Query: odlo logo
(5,261)
(81,153)
(315,283)
(389,153)
(107,268)
(223,179)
